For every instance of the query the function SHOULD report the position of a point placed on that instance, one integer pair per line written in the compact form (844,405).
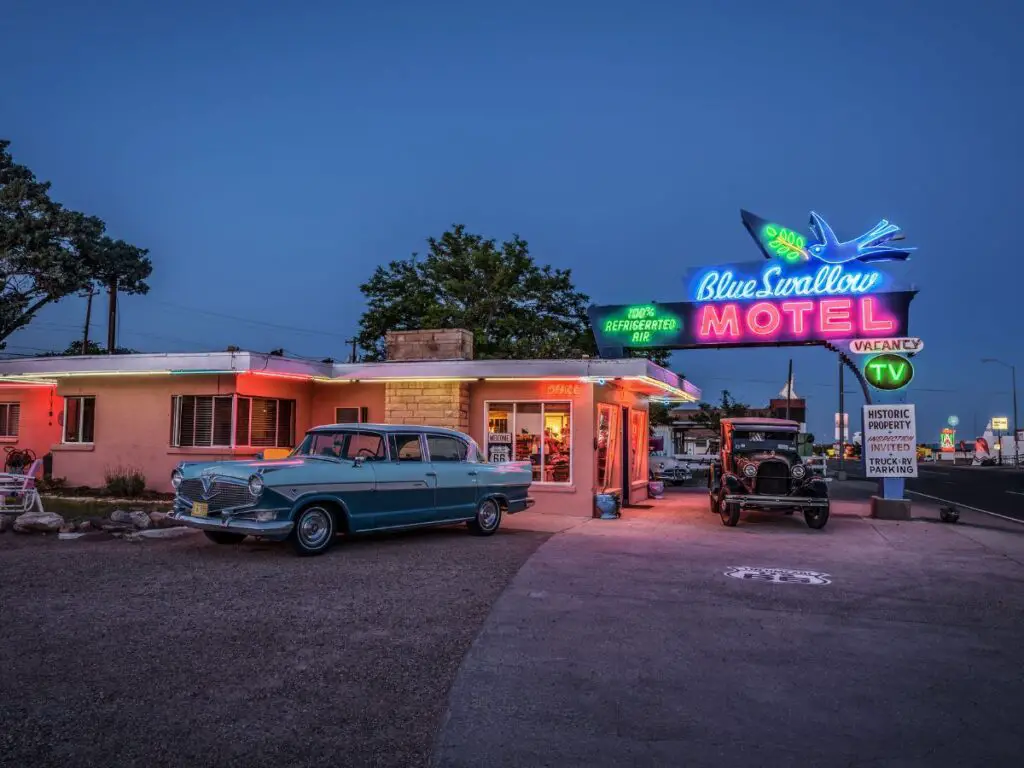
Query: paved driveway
(624,643)
(184,653)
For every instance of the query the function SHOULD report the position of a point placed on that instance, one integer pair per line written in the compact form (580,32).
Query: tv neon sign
(888,372)
(792,320)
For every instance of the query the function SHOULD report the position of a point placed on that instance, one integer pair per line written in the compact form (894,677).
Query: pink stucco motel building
(581,423)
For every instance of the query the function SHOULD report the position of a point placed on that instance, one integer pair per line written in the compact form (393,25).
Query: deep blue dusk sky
(270,155)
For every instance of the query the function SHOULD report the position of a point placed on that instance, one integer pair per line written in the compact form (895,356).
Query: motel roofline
(638,373)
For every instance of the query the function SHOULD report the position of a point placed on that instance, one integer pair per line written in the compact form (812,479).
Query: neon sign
(642,325)
(792,320)
(717,285)
(809,289)
(888,372)
(947,438)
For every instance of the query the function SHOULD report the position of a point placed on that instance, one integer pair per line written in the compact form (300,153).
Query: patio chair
(18,493)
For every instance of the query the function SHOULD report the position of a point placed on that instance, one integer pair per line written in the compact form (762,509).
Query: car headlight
(749,470)
(176,479)
(799,470)
(255,485)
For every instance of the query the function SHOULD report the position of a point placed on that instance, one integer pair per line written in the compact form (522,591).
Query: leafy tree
(48,252)
(514,307)
(710,416)
(75,348)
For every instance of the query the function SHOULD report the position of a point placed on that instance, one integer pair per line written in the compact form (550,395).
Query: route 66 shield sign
(777,575)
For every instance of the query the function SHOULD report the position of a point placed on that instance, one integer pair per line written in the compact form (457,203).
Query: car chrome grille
(222,495)
(773,478)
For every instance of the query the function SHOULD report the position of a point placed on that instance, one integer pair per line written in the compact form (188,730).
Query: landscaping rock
(136,518)
(6,522)
(167,533)
(39,522)
(112,527)
(67,528)
(162,520)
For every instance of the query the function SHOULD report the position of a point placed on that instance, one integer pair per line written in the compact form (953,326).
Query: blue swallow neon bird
(871,246)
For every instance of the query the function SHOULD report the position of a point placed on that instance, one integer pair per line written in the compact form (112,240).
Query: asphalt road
(993,489)
(186,653)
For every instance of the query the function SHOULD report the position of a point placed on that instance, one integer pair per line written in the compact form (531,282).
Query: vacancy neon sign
(792,320)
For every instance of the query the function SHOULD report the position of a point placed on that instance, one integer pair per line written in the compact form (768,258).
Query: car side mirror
(259,456)
(358,461)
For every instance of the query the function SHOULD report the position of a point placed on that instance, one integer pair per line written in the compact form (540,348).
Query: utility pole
(352,341)
(841,473)
(1016,424)
(88,317)
(789,387)
(112,317)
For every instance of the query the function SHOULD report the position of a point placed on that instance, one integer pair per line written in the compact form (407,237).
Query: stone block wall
(428,403)
(447,344)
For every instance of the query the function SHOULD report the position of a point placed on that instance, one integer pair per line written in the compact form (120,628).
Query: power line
(264,323)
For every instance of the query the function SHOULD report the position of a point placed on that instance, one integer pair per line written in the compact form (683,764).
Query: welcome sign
(806,291)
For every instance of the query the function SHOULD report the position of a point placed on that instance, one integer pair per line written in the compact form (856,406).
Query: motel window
(201,420)
(265,422)
(537,432)
(10,415)
(79,419)
(350,415)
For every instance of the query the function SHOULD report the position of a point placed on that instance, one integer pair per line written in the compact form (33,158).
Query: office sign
(904,344)
(890,441)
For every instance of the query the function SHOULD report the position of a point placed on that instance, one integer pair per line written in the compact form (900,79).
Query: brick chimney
(444,344)
(431,403)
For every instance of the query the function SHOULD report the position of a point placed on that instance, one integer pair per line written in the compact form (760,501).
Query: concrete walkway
(625,643)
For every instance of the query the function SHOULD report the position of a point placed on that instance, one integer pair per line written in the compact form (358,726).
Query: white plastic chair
(18,493)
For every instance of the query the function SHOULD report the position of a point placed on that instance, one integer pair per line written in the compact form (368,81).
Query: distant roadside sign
(1000,423)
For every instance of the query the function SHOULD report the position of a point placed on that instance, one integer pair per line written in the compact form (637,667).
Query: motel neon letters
(792,319)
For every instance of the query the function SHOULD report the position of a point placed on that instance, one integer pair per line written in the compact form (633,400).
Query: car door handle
(472,474)
(431,474)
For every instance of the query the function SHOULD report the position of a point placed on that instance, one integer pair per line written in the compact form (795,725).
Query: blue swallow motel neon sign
(828,280)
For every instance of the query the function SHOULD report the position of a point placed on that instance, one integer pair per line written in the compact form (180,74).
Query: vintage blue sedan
(351,478)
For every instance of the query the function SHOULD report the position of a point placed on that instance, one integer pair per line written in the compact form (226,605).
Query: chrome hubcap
(315,527)
(488,515)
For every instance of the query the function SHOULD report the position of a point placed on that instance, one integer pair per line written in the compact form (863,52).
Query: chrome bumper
(777,501)
(274,529)
(520,505)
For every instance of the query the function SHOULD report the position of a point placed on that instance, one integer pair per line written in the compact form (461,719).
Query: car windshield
(343,445)
(764,441)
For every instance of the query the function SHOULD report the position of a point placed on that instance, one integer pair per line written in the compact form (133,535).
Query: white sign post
(890,440)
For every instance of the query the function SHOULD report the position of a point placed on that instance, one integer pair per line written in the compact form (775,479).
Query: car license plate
(200,509)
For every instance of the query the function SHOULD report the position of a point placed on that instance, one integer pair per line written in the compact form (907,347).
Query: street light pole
(1016,424)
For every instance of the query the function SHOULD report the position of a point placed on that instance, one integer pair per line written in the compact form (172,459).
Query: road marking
(777,575)
(1016,493)
(967,506)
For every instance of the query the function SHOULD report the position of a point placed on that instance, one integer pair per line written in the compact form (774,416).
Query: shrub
(124,482)
(52,484)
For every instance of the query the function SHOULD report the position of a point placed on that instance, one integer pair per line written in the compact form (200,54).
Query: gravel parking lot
(185,653)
